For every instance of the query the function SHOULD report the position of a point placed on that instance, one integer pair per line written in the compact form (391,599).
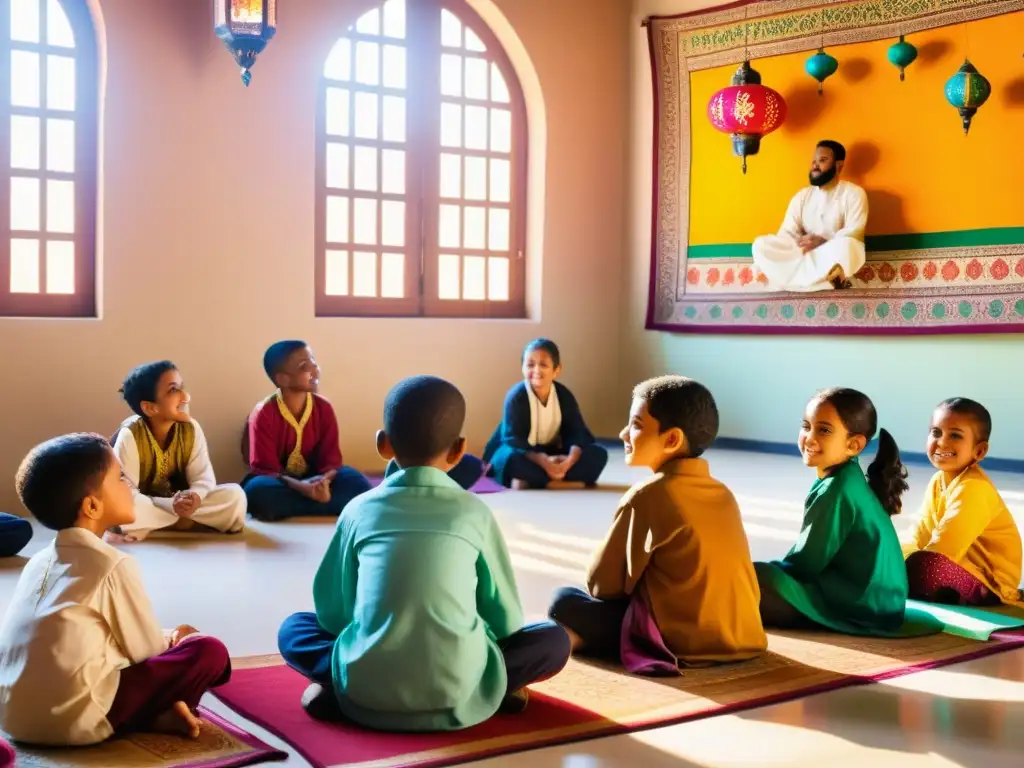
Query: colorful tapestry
(945,235)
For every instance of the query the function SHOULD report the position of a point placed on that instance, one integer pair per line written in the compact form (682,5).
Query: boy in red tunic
(295,464)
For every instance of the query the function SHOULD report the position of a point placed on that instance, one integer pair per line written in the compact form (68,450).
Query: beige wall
(762,383)
(208,236)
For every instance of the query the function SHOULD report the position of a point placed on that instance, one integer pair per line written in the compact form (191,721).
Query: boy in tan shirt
(674,573)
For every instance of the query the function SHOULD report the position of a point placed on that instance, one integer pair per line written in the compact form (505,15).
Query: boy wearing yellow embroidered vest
(164,455)
(295,467)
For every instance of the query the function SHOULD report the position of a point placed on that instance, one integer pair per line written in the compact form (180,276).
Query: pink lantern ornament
(746,110)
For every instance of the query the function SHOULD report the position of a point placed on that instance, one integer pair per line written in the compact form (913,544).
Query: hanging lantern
(967,90)
(747,111)
(821,66)
(245,27)
(902,55)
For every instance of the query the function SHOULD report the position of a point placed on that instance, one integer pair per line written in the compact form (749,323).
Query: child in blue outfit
(418,624)
(15,533)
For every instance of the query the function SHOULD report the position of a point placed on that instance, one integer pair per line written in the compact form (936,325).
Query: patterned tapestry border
(694,295)
(907,271)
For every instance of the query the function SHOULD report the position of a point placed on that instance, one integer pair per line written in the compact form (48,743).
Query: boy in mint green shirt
(418,624)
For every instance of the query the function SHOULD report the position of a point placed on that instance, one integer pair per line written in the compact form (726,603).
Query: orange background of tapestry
(905,143)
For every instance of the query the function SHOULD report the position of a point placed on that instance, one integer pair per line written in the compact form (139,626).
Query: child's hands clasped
(185,503)
(319,487)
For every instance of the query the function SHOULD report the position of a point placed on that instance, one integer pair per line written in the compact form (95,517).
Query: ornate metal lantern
(967,90)
(902,54)
(245,27)
(821,66)
(747,111)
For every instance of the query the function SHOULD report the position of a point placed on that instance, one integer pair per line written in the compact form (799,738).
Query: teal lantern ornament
(967,90)
(902,55)
(245,27)
(821,66)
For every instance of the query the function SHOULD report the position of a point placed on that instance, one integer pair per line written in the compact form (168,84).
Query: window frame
(422,196)
(82,303)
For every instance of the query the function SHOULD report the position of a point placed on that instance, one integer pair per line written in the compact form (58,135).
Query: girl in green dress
(846,571)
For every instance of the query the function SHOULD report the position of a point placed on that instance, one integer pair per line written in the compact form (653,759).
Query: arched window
(421,168)
(49,100)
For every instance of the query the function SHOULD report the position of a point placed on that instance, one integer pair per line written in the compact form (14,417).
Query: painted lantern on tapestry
(967,90)
(746,110)
(902,54)
(821,66)
(245,27)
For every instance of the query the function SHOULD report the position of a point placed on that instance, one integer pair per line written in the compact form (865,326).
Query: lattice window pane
(24,20)
(60,83)
(26,202)
(60,145)
(24,277)
(26,142)
(26,80)
(60,266)
(58,27)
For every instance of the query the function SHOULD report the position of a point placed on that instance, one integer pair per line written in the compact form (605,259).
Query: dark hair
(679,402)
(56,475)
(277,354)
(545,345)
(965,407)
(838,150)
(139,386)
(886,475)
(423,418)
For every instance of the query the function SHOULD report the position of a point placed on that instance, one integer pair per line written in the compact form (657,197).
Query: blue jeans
(534,653)
(271,500)
(511,464)
(15,533)
(465,473)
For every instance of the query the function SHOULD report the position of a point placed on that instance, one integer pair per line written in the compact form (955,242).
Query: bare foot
(520,485)
(566,485)
(178,720)
(182,524)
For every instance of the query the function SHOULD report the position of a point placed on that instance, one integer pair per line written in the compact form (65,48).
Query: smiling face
(172,401)
(540,371)
(300,372)
(644,443)
(953,443)
(824,441)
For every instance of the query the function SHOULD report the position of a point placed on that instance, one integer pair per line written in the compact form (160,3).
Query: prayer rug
(933,264)
(587,700)
(220,745)
(483,485)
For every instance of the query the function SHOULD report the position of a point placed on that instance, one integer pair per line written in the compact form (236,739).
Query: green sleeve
(334,586)
(827,522)
(497,599)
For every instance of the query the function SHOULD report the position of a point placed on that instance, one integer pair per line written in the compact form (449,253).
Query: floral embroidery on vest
(162,472)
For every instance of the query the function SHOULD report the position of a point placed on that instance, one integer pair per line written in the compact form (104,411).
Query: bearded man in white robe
(821,243)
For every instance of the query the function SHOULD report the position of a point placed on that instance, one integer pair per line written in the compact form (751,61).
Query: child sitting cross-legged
(294,456)
(82,656)
(417,623)
(165,456)
(965,548)
(673,583)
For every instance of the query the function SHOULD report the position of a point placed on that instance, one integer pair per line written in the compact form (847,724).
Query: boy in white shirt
(165,456)
(82,656)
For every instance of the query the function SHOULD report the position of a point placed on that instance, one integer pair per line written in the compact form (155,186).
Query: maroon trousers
(182,673)
(935,578)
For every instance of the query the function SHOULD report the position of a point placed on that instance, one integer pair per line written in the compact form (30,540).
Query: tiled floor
(971,715)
